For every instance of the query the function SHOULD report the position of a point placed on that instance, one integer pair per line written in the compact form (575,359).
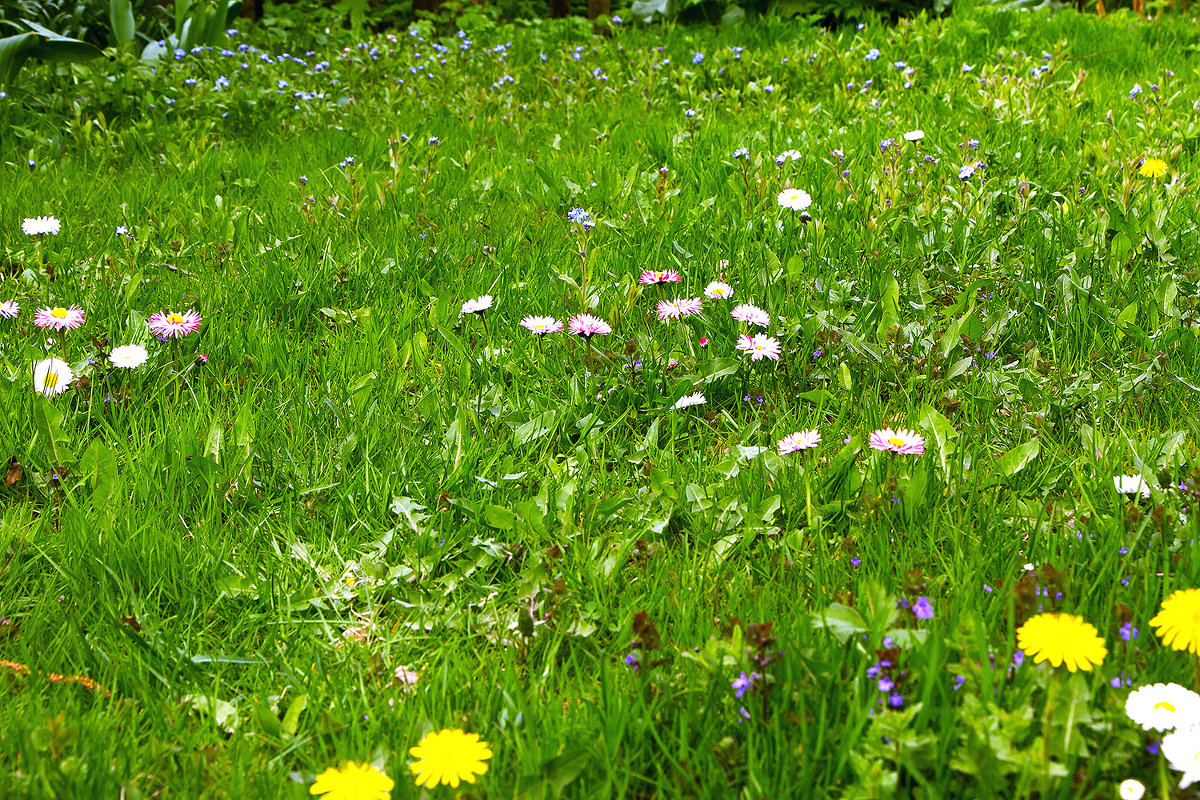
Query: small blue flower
(923,609)
(697,58)
(872,54)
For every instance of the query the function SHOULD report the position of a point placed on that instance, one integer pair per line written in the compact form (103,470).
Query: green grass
(356,457)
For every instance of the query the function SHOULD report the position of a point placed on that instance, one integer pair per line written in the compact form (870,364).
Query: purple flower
(959,680)
(895,700)
(923,609)
(885,684)
(744,683)
(1128,632)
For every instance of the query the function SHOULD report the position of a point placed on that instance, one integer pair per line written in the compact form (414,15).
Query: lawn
(684,412)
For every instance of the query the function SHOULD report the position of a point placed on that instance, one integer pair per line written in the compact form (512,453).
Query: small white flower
(1131,789)
(1131,484)
(52,376)
(689,400)
(718,290)
(1182,751)
(37,226)
(1163,706)
(795,199)
(128,356)
(478,305)
(914,136)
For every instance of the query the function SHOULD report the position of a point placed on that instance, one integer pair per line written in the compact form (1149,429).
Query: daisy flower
(1152,168)
(1178,624)
(128,356)
(478,305)
(759,347)
(718,291)
(689,400)
(801,440)
(1182,751)
(353,782)
(1062,639)
(903,441)
(449,756)
(174,323)
(39,226)
(795,199)
(1131,789)
(914,135)
(9,309)
(674,309)
(541,325)
(1131,484)
(651,277)
(52,376)
(1163,707)
(587,326)
(59,318)
(751,315)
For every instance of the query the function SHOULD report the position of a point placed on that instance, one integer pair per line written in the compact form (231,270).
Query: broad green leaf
(120,19)
(841,621)
(56,443)
(498,517)
(1018,458)
(14,51)
(99,465)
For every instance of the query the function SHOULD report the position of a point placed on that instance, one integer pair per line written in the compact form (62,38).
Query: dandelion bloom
(52,376)
(128,356)
(1062,639)
(751,315)
(718,291)
(478,305)
(760,347)
(59,318)
(449,756)
(1178,624)
(801,440)
(38,226)
(903,441)
(674,309)
(1182,751)
(353,782)
(174,323)
(1152,168)
(795,199)
(914,135)
(651,277)
(689,400)
(9,309)
(541,325)
(587,326)
(1163,707)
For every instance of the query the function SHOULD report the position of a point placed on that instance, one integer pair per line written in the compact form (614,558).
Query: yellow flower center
(59,312)
(51,380)
(175,318)
(1164,706)
(895,441)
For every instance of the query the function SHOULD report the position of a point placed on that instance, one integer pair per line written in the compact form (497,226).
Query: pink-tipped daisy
(801,440)
(587,326)
(674,309)
(174,323)
(541,325)
(59,318)
(52,376)
(760,347)
(650,277)
(9,309)
(904,442)
(751,315)
(718,290)
(478,305)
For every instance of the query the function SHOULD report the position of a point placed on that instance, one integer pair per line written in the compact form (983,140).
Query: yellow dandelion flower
(1178,624)
(449,756)
(353,782)
(1153,168)
(1062,639)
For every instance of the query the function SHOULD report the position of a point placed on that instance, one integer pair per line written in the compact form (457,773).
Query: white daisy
(52,376)
(128,356)
(689,400)
(795,199)
(38,226)
(1163,706)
